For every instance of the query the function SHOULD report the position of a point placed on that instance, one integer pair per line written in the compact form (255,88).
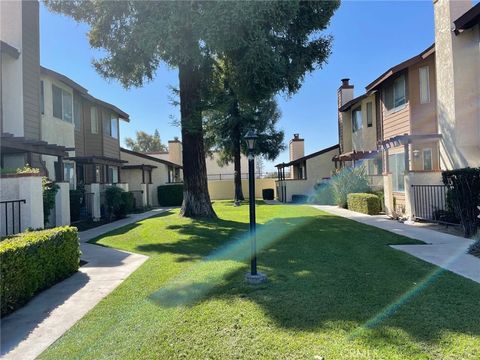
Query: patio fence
(430,204)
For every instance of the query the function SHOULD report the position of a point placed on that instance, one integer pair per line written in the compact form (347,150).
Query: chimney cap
(296,137)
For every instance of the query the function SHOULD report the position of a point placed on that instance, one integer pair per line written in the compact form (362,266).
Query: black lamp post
(253,276)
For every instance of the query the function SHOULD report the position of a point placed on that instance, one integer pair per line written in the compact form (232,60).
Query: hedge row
(170,195)
(364,203)
(33,261)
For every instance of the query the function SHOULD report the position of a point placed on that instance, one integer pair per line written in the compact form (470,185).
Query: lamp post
(253,277)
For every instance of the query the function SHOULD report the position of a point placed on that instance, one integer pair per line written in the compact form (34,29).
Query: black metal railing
(12,216)
(430,204)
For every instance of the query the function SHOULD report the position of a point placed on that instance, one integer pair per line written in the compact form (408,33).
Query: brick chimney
(296,147)
(344,95)
(175,151)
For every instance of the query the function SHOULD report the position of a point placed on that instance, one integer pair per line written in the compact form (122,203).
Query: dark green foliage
(299,199)
(118,203)
(76,203)
(347,181)
(364,203)
(145,142)
(50,189)
(33,261)
(268,194)
(464,195)
(170,195)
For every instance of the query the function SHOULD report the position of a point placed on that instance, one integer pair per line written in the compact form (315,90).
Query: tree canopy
(144,142)
(271,45)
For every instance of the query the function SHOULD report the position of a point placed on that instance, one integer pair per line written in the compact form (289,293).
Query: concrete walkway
(30,330)
(444,250)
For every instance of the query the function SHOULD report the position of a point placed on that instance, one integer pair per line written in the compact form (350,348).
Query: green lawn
(336,290)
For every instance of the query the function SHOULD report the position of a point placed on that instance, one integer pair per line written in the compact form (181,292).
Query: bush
(33,261)
(464,196)
(347,181)
(170,195)
(364,203)
(299,199)
(119,203)
(323,194)
(268,194)
(50,189)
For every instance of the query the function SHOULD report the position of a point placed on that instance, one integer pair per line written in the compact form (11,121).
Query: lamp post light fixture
(253,277)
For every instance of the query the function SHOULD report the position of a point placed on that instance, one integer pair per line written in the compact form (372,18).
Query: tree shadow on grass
(322,270)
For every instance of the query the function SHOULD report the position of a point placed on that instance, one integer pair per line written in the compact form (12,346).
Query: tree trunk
(196,200)
(237,165)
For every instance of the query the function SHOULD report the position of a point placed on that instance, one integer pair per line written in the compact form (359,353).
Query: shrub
(323,194)
(268,194)
(347,181)
(170,195)
(364,203)
(33,261)
(119,203)
(464,196)
(50,189)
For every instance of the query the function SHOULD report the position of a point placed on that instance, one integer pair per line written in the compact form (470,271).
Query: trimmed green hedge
(170,195)
(364,203)
(268,194)
(33,261)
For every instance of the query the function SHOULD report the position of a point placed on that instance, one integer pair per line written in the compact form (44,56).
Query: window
(114,126)
(42,97)
(396,164)
(68,174)
(113,174)
(107,125)
(357,119)
(94,120)
(77,111)
(427,159)
(424,76)
(395,94)
(369,114)
(62,104)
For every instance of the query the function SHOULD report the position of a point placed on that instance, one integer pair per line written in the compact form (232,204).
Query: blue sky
(369,37)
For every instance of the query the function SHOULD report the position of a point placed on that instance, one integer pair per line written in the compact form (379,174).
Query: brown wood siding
(397,123)
(93,142)
(111,147)
(423,117)
(79,129)
(31,69)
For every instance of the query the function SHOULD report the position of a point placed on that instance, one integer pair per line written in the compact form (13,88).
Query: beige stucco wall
(134,177)
(225,189)
(12,69)
(175,152)
(318,168)
(365,138)
(458,86)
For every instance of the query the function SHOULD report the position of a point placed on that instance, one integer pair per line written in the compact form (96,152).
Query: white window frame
(357,126)
(114,120)
(93,120)
(63,94)
(424,84)
(398,177)
(431,158)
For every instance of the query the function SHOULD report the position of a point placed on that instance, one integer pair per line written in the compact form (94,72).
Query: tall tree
(144,142)
(273,44)
(226,126)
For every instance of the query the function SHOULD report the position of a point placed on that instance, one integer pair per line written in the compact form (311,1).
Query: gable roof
(399,67)
(84,92)
(309,156)
(469,19)
(151,158)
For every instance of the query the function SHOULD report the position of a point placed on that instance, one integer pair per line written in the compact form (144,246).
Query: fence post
(62,204)
(30,189)
(94,189)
